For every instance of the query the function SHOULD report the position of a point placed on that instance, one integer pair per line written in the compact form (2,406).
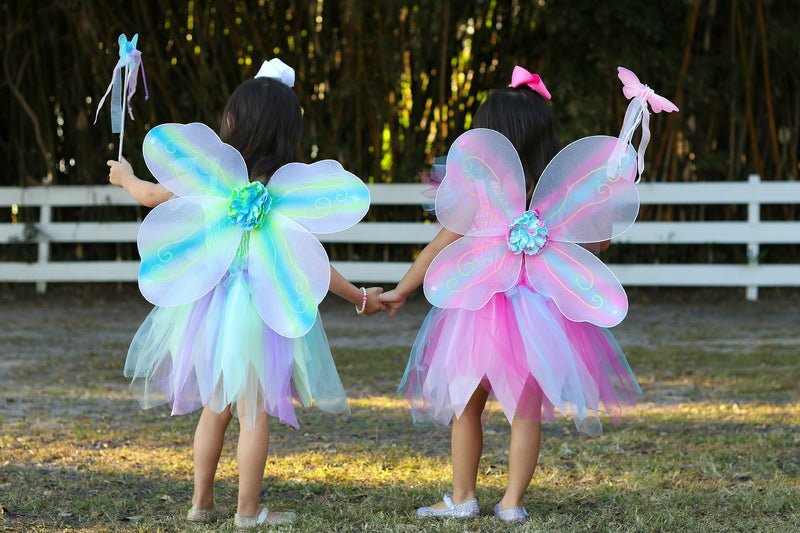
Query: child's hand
(394,300)
(374,305)
(120,172)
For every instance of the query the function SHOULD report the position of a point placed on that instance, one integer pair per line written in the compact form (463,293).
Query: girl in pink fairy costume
(230,261)
(521,305)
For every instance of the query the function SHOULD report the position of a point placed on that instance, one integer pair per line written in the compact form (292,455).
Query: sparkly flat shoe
(468,509)
(198,515)
(265,517)
(512,515)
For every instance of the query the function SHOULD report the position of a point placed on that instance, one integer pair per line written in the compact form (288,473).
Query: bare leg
(466,445)
(208,439)
(523,455)
(252,458)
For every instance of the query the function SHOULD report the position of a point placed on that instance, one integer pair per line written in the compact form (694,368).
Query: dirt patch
(69,341)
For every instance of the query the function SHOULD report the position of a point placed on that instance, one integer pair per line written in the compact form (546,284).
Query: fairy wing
(483,187)
(186,246)
(288,267)
(470,270)
(579,200)
(191,160)
(583,288)
(322,197)
(289,275)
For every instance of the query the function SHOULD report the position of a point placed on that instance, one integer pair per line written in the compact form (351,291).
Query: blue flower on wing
(249,205)
(527,234)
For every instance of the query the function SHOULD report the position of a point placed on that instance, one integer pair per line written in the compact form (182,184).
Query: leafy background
(386,86)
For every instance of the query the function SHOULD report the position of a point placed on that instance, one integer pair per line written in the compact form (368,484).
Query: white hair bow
(275,68)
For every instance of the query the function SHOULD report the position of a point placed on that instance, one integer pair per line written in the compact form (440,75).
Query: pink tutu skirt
(532,360)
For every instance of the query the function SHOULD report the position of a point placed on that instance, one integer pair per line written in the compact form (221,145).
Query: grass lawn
(715,445)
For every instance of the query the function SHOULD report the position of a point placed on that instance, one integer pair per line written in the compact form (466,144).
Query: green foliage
(387,85)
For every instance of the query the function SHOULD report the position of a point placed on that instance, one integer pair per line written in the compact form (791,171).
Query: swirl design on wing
(169,146)
(166,253)
(188,161)
(301,285)
(584,282)
(465,268)
(471,170)
(604,190)
(323,204)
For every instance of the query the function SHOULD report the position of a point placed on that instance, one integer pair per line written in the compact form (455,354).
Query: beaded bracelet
(363,302)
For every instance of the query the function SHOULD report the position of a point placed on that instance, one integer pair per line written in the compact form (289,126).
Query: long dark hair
(524,117)
(262,120)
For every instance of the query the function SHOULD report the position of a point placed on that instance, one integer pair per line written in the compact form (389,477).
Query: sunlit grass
(708,466)
(713,447)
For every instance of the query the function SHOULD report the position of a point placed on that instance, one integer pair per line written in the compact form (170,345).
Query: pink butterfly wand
(637,113)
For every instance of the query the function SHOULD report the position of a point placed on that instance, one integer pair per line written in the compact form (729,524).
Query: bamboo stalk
(748,65)
(671,117)
(733,156)
(762,30)
(46,153)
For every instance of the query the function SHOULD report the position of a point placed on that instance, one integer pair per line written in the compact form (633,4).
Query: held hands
(394,300)
(120,172)
(374,305)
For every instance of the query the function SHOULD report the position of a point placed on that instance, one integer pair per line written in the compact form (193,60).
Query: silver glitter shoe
(265,517)
(512,515)
(468,509)
(198,515)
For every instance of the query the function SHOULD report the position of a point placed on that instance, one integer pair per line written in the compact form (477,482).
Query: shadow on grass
(714,449)
(50,497)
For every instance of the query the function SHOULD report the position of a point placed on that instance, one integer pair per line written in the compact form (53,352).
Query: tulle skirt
(531,359)
(218,352)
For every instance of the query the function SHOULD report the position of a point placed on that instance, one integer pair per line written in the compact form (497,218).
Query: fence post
(44,244)
(753,249)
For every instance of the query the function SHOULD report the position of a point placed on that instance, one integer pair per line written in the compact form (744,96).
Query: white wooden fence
(753,232)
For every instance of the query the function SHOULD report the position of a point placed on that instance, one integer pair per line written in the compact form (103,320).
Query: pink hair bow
(521,76)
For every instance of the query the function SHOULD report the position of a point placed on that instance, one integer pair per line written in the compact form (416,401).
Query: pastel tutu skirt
(530,358)
(218,352)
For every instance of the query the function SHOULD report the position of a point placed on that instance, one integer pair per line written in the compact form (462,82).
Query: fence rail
(753,233)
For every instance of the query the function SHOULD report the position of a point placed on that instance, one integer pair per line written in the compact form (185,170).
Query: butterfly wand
(641,96)
(123,86)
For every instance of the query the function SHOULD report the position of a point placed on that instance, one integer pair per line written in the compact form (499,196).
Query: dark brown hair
(263,120)
(526,119)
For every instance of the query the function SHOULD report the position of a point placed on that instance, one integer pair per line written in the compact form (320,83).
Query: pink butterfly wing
(631,92)
(583,288)
(484,185)
(628,78)
(577,197)
(469,271)
(658,104)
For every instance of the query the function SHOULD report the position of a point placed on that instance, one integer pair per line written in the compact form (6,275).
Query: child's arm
(416,274)
(146,193)
(347,291)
